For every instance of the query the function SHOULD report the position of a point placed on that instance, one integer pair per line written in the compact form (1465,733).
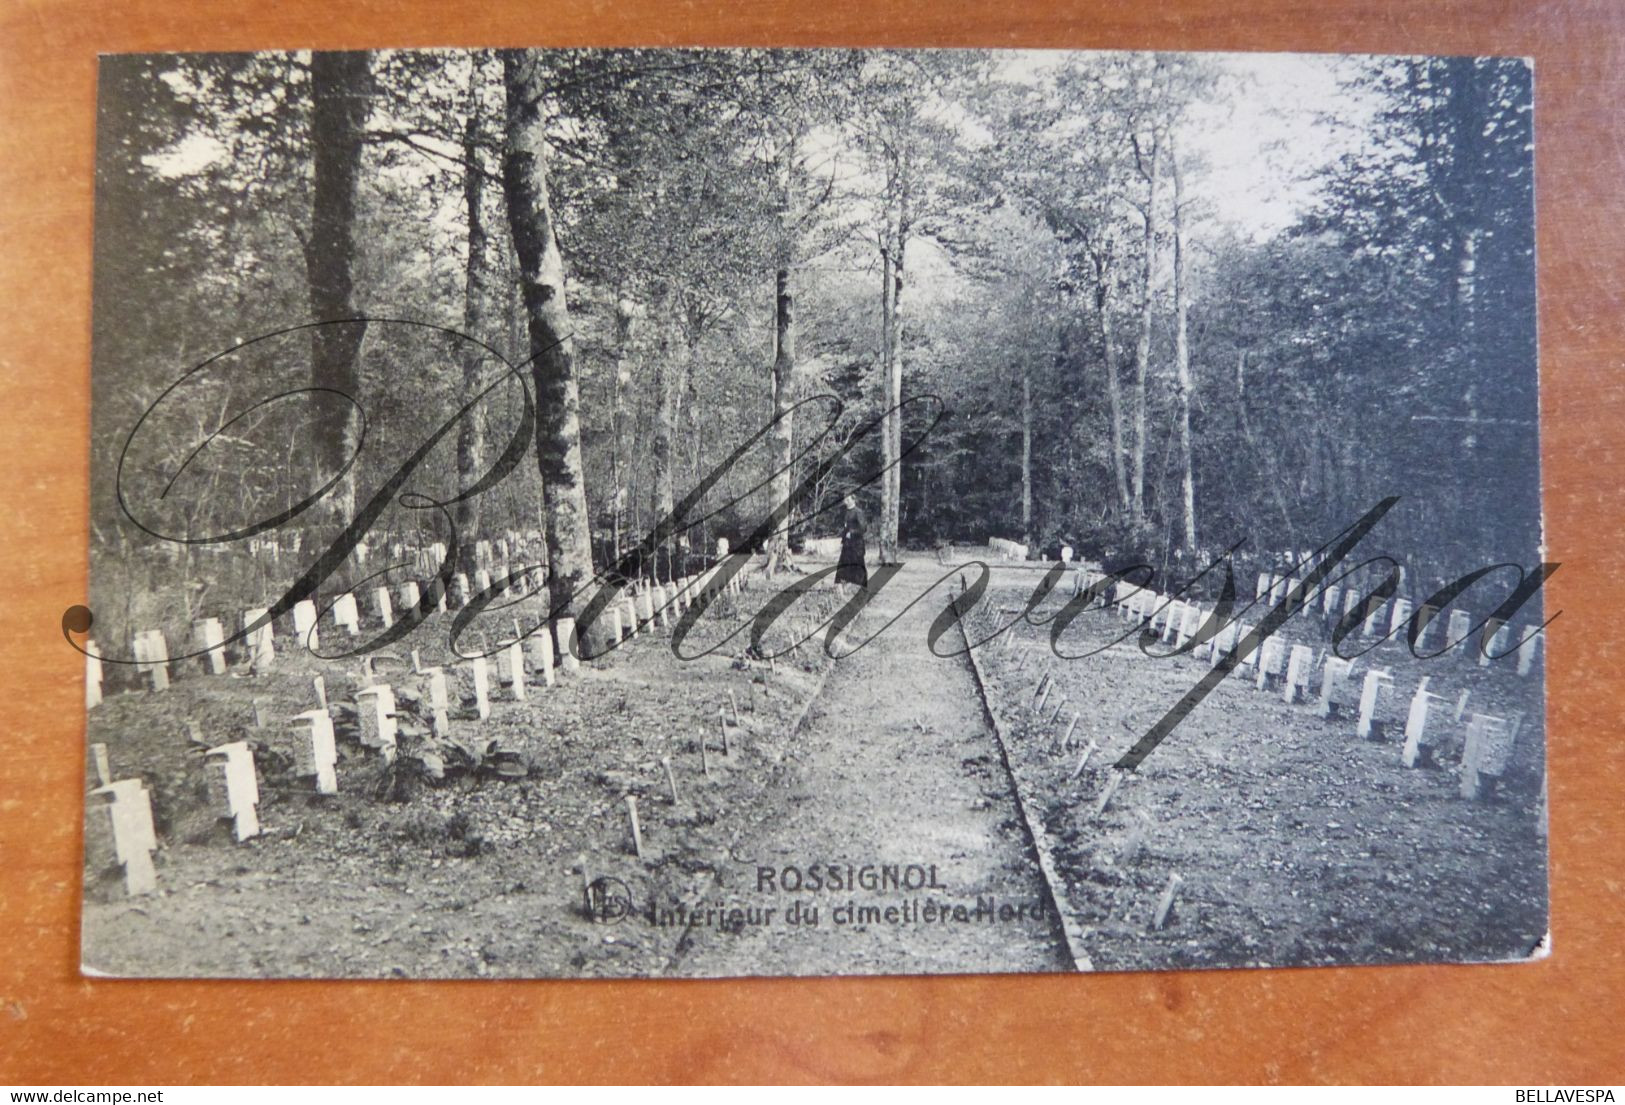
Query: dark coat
(850,569)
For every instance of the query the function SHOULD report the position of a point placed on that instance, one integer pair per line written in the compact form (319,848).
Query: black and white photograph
(762,512)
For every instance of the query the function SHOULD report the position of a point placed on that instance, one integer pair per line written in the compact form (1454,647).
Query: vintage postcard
(703,513)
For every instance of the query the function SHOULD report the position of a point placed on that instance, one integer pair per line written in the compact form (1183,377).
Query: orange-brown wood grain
(1555,1021)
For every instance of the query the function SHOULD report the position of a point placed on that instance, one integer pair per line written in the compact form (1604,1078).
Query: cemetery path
(897,771)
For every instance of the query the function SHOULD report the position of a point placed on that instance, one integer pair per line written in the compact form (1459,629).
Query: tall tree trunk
(1026,452)
(784,363)
(471,431)
(541,278)
(893,501)
(887,335)
(1467,111)
(1142,348)
(667,388)
(1266,469)
(1114,388)
(341,95)
(1182,356)
(625,323)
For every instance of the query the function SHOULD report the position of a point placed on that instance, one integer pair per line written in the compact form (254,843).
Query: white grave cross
(236,763)
(304,625)
(319,753)
(375,707)
(134,841)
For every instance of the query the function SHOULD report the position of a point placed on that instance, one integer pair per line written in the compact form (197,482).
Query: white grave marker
(1373,619)
(375,708)
(569,647)
(482,688)
(158,657)
(318,751)
(1378,687)
(134,840)
(93,675)
(1330,600)
(1425,617)
(541,653)
(1418,744)
(304,625)
(1176,617)
(1488,745)
(346,614)
(236,764)
(1271,659)
(1527,648)
(1334,684)
(438,705)
(1496,645)
(1461,624)
(386,611)
(98,758)
(1298,669)
(211,639)
(516,664)
(261,642)
(1251,659)
(1192,623)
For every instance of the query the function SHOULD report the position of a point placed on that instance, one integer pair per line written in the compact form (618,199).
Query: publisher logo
(607,900)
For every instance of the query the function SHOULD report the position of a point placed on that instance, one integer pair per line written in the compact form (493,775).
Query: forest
(637,259)
(515,345)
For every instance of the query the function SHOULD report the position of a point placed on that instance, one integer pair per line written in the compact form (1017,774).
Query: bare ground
(1296,842)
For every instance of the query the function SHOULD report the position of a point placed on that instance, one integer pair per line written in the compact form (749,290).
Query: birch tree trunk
(471,430)
(1142,348)
(625,323)
(1182,355)
(341,94)
(887,335)
(894,397)
(1026,453)
(784,355)
(784,363)
(670,381)
(541,279)
(1114,387)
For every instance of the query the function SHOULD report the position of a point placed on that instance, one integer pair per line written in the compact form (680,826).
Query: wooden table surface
(1553,1022)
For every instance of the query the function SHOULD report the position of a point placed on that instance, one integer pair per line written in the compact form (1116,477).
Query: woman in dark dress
(850,568)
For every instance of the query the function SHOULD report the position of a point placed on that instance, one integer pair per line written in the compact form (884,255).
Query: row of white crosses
(233,780)
(654,604)
(1391,617)
(208,634)
(1489,738)
(128,806)
(1010,550)
(208,637)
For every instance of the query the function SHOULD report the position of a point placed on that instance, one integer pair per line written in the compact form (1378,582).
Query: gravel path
(896,767)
